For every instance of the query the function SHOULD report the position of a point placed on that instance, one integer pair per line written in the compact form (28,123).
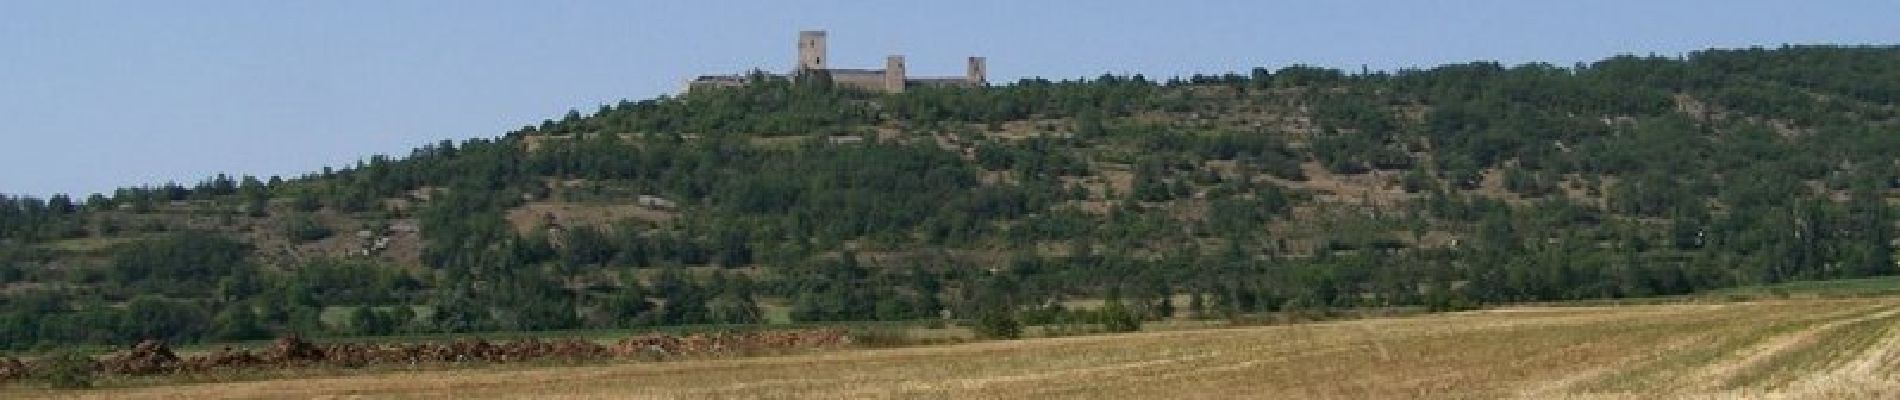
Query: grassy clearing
(1815,348)
(87,245)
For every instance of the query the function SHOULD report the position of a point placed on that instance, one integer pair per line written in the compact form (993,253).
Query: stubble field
(1813,348)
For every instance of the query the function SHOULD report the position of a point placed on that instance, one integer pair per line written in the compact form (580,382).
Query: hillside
(1822,349)
(1199,197)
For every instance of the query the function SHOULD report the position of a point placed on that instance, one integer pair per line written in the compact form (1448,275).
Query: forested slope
(1292,189)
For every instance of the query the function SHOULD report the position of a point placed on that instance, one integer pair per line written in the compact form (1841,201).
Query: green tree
(997,323)
(304,228)
(237,322)
(367,321)
(1117,317)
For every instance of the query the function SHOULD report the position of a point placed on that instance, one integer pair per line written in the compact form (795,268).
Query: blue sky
(96,95)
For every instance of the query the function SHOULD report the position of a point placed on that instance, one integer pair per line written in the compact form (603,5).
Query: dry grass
(569,214)
(1812,348)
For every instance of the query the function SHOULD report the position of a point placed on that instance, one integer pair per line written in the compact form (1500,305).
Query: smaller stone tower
(894,74)
(978,73)
(811,51)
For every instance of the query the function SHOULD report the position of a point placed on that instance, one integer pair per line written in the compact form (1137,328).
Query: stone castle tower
(977,73)
(894,81)
(811,51)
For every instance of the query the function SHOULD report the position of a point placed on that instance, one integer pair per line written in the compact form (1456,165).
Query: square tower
(894,79)
(978,73)
(811,51)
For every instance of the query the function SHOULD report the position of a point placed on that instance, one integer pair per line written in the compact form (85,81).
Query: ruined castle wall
(873,81)
(943,82)
(894,78)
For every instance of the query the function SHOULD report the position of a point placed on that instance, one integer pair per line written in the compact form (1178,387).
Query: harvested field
(1811,348)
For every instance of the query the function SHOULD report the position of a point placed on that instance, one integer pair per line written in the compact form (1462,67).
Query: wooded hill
(1293,189)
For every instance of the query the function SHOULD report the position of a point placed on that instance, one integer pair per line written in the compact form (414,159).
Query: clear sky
(96,95)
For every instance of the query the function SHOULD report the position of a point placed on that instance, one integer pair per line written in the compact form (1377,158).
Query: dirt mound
(224,358)
(146,357)
(647,346)
(724,343)
(292,349)
(11,369)
(152,357)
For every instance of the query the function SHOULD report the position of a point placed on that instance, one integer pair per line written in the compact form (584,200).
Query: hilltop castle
(891,79)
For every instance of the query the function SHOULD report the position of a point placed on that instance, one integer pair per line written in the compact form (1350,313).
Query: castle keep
(892,79)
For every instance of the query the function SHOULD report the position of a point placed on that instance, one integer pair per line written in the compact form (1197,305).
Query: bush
(65,370)
(302,228)
(880,336)
(1116,317)
(305,201)
(998,324)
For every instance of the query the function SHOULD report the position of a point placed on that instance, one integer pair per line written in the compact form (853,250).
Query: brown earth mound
(152,357)
(146,357)
(11,369)
(291,349)
(224,358)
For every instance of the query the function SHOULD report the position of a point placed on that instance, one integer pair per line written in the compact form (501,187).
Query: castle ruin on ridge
(891,79)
